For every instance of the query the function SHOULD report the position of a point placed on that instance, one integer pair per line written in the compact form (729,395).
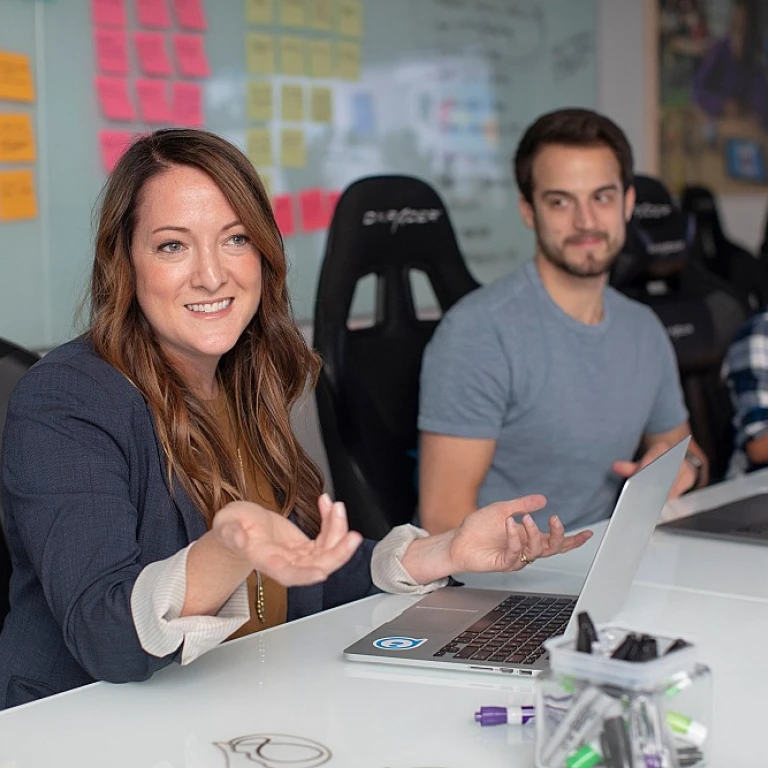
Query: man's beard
(591,267)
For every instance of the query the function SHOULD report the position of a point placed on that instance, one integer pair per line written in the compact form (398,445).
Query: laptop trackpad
(435,620)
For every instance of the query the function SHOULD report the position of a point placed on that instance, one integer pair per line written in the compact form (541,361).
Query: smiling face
(198,276)
(579,209)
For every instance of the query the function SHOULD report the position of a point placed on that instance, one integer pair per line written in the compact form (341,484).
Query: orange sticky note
(16,77)
(17,139)
(111,51)
(153,101)
(187,108)
(153,14)
(191,58)
(152,53)
(312,207)
(108,13)
(112,145)
(282,207)
(190,14)
(18,199)
(115,102)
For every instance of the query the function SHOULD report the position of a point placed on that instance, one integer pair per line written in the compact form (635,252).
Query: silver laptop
(498,631)
(743,520)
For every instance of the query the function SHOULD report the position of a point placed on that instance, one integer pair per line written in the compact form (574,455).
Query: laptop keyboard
(513,631)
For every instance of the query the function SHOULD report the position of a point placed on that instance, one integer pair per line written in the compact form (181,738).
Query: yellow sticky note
(17,140)
(320,58)
(260,100)
(16,77)
(259,11)
(259,149)
(292,102)
(260,53)
(349,61)
(293,150)
(292,55)
(322,105)
(321,14)
(351,18)
(17,195)
(292,13)
(266,180)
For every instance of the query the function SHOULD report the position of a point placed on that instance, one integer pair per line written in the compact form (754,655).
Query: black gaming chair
(368,392)
(14,362)
(701,311)
(721,255)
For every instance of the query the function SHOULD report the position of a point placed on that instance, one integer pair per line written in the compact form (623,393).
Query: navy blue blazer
(87,507)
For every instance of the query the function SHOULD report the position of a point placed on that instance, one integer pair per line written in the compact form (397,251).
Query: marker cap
(686,729)
(585,757)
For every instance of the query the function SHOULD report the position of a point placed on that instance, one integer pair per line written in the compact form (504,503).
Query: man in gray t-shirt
(549,381)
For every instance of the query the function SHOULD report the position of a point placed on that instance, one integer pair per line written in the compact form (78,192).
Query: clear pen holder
(592,710)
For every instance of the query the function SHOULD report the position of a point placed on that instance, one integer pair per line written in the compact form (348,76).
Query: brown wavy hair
(262,375)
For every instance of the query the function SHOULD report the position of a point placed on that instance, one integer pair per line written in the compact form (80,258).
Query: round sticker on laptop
(399,643)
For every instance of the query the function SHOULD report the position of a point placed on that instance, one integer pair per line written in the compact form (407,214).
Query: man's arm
(689,477)
(451,470)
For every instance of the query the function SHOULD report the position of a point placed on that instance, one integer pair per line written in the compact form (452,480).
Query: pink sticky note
(190,14)
(153,101)
(331,199)
(108,13)
(153,14)
(187,108)
(152,53)
(191,58)
(282,207)
(111,51)
(312,209)
(112,145)
(115,102)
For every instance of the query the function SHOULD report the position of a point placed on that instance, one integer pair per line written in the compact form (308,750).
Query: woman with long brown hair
(156,498)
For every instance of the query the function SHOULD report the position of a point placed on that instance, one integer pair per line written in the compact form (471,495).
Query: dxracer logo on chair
(399,643)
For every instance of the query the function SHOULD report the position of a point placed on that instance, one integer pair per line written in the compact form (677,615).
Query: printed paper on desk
(190,14)
(350,18)
(293,150)
(153,14)
(16,77)
(114,99)
(322,14)
(292,13)
(320,58)
(259,11)
(187,108)
(153,101)
(17,195)
(191,57)
(108,13)
(292,55)
(322,101)
(112,51)
(152,53)
(260,101)
(17,138)
(260,53)
(112,145)
(282,207)
(292,103)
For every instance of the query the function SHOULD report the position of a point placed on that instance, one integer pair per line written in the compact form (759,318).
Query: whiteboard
(443,91)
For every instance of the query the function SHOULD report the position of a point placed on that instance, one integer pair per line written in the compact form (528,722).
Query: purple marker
(502,715)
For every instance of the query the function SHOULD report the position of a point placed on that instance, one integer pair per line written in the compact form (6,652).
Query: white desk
(292,680)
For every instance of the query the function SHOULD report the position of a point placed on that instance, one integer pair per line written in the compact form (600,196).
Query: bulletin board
(318,93)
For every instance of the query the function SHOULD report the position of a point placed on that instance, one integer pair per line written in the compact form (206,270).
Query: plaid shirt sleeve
(745,370)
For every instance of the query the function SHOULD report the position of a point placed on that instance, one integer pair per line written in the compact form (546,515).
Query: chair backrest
(367,396)
(720,254)
(14,362)
(701,312)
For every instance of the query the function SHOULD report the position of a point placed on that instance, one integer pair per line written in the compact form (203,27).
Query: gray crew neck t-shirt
(563,400)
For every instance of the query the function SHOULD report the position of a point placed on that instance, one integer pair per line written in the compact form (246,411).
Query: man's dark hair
(573,128)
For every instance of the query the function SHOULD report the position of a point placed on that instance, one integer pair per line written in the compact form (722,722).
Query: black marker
(587,633)
(677,645)
(627,649)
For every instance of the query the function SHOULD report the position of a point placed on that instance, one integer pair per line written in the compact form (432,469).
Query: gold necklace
(261,605)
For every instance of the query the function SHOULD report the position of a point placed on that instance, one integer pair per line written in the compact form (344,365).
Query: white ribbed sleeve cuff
(387,569)
(156,603)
